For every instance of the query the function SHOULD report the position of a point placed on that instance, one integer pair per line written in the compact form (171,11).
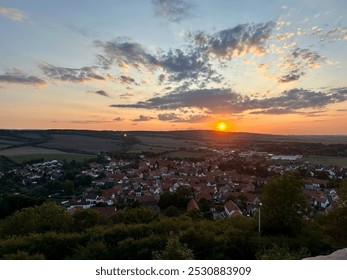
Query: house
(192,205)
(231,209)
(321,201)
(332,196)
(206,196)
(316,198)
(91,198)
(79,205)
(313,183)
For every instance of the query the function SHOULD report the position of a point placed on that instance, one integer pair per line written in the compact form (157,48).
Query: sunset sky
(264,66)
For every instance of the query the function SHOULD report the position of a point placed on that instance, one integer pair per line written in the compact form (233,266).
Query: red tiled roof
(315,181)
(231,206)
(251,197)
(192,204)
(236,213)
(206,196)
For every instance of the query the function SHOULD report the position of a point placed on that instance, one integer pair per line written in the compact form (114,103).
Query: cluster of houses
(222,193)
(319,195)
(32,173)
(121,183)
(145,184)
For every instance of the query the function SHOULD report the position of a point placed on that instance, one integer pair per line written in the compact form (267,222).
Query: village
(222,184)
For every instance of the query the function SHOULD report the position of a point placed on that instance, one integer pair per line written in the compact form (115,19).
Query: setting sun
(222,126)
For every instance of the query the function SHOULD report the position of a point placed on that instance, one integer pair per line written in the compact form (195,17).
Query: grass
(60,157)
(328,160)
(184,154)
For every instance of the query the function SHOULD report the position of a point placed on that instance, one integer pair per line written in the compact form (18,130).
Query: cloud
(194,119)
(118,119)
(236,41)
(194,65)
(126,95)
(143,118)
(102,93)
(201,98)
(178,65)
(16,76)
(314,114)
(172,117)
(301,99)
(298,61)
(340,93)
(76,75)
(191,65)
(168,117)
(325,35)
(127,80)
(173,10)
(308,57)
(263,66)
(281,111)
(284,36)
(226,101)
(335,34)
(292,76)
(125,52)
(274,111)
(11,13)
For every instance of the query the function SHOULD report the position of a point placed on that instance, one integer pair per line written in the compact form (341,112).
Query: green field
(184,154)
(327,161)
(60,157)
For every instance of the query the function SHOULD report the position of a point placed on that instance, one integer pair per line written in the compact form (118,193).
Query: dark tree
(283,205)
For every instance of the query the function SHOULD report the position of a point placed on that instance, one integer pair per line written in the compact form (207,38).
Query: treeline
(6,163)
(48,232)
(292,148)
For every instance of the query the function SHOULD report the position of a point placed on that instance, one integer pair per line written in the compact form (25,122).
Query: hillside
(42,142)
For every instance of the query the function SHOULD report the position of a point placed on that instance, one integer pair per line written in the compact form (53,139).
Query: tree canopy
(283,205)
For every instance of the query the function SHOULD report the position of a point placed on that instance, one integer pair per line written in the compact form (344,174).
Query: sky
(261,66)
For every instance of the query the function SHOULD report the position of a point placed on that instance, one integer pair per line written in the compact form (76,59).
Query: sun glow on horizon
(222,126)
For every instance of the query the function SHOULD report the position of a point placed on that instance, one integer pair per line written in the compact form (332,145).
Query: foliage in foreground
(85,235)
(47,231)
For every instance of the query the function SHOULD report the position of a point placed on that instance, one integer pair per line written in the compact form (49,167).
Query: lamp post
(259,224)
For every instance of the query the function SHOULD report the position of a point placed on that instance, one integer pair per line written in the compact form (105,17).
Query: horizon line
(178,130)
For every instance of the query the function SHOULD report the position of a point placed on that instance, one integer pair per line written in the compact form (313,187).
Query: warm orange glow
(222,126)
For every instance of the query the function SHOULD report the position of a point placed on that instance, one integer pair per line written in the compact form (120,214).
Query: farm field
(71,141)
(47,157)
(82,143)
(140,148)
(328,161)
(184,154)
(159,143)
(28,150)
(28,142)
(31,153)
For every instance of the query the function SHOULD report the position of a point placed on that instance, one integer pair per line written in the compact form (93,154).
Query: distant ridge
(232,136)
(208,135)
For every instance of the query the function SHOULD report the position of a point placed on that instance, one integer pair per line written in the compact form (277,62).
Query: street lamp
(259,227)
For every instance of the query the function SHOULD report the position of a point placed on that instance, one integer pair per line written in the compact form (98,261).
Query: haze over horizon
(272,67)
